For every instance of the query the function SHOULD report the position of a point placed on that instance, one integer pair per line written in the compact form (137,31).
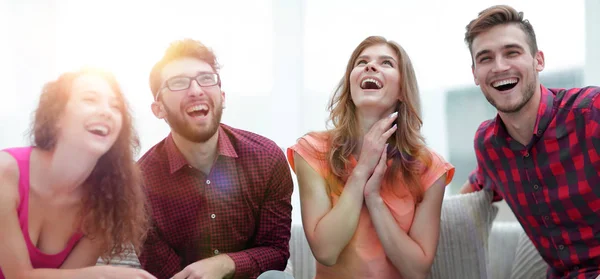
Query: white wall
(281,59)
(27,60)
(592,42)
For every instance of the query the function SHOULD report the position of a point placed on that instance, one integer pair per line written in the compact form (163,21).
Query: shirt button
(536,187)
(539,132)
(216,252)
(546,217)
(207,182)
(561,247)
(526,154)
(213,216)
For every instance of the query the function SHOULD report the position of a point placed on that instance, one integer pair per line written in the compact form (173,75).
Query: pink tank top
(38,258)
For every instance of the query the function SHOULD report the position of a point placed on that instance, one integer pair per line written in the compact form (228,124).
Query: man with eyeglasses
(219,197)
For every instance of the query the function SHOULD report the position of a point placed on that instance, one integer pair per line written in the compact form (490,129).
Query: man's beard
(529,89)
(193,134)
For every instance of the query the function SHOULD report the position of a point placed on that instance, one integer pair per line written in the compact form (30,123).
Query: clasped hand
(373,156)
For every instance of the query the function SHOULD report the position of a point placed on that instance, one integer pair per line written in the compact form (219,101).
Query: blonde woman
(370,190)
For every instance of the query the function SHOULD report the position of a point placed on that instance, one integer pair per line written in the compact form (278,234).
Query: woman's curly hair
(113,206)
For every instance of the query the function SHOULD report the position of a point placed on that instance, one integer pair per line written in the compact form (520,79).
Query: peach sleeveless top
(364,256)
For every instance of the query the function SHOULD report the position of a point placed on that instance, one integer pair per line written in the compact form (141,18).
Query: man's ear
(474,77)
(540,62)
(223,98)
(158,109)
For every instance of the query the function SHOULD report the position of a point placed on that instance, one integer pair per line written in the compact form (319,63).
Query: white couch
(471,245)
(511,254)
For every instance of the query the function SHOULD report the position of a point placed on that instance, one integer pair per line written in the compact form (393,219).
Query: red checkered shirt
(552,184)
(242,208)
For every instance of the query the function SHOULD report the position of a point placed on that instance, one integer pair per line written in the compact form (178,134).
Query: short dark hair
(499,15)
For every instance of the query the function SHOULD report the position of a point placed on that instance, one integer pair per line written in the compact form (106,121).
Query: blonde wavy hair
(406,147)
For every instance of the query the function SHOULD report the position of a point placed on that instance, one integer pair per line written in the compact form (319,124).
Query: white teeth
(197,108)
(99,129)
(370,80)
(504,82)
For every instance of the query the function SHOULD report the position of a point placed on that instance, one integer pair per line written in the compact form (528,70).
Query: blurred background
(281,59)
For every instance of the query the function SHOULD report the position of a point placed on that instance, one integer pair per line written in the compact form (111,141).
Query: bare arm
(84,254)
(411,253)
(81,263)
(14,258)
(325,233)
(466,188)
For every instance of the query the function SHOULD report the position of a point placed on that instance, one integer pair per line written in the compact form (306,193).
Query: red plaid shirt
(552,184)
(242,208)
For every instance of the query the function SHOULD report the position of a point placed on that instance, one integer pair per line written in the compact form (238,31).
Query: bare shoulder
(304,169)
(9,181)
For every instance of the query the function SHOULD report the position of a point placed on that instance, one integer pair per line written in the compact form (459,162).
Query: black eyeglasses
(178,83)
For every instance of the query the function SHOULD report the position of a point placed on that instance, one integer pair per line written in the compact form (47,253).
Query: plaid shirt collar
(178,161)
(544,116)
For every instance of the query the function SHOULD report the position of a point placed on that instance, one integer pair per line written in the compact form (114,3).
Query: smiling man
(541,152)
(220,197)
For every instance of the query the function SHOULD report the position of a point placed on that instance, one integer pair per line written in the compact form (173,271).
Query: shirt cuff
(243,264)
(474,183)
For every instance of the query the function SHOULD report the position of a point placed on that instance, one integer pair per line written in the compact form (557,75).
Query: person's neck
(199,155)
(366,119)
(520,124)
(62,171)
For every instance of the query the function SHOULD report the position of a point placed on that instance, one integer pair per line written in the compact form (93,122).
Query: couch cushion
(301,257)
(128,258)
(502,245)
(527,261)
(465,226)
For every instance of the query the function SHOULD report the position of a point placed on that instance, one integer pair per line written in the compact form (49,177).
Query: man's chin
(200,135)
(509,108)
(195,131)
